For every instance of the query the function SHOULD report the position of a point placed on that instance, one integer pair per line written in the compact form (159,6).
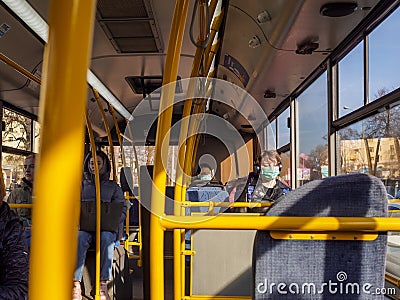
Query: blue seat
(204,193)
(215,193)
(323,269)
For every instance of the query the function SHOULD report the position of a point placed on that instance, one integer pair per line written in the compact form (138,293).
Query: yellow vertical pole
(179,192)
(139,237)
(59,168)
(159,175)
(98,205)
(110,142)
(111,109)
(180,187)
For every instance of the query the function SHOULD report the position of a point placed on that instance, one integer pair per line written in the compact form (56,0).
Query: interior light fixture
(254,42)
(35,22)
(31,18)
(107,95)
(263,17)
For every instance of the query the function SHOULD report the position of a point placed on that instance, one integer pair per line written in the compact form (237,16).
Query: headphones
(279,161)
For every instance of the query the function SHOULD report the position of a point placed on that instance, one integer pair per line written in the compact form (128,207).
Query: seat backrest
(208,192)
(125,179)
(323,269)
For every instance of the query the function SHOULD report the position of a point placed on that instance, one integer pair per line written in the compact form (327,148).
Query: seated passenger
(23,195)
(14,259)
(206,176)
(268,187)
(110,192)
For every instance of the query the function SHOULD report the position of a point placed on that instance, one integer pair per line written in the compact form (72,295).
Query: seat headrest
(352,195)
(125,178)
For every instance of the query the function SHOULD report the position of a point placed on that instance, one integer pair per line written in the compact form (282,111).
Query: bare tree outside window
(17,133)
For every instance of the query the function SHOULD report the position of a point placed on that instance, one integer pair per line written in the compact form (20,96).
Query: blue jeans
(107,240)
(28,236)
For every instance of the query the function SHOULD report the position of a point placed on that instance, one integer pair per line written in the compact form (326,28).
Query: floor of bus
(136,274)
(137,280)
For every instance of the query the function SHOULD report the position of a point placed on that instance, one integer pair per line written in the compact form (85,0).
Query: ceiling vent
(338,9)
(145,85)
(130,25)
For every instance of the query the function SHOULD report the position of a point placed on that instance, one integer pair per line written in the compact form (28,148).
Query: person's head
(270,165)
(29,167)
(100,164)
(102,161)
(206,173)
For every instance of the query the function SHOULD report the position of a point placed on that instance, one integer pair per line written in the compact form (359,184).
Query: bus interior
(172,85)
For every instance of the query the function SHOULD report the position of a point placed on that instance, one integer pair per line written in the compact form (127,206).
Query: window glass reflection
(313,130)
(36,137)
(271,135)
(351,81)
(13,170)
(283,130)
(285,171)
(372,146)
(383,57)
(17,133)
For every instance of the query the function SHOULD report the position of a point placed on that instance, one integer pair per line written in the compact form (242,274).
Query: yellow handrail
(20,205)
(182,170)
(139,234)
(225,204)
(392,279)
(66,60)
(18,68)
(110,142)
(281,223)
(98,204)
(162,141)
(111,109)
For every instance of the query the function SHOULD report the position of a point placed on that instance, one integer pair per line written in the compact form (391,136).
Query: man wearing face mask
(269,187)
(205,177)
(205,173)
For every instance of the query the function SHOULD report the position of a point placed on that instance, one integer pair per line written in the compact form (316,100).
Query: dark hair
(205,165)
(105,159)
(32,155)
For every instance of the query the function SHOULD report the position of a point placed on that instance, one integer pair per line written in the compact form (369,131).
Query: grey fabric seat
(324,269)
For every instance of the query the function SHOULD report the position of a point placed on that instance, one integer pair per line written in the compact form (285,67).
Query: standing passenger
(23,195)
(110,191)
(14,259)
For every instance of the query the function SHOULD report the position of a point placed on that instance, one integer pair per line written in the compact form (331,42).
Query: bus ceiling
(267,48)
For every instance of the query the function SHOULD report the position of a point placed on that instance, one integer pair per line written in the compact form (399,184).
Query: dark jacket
(110,191)
(263,194)
(14,258)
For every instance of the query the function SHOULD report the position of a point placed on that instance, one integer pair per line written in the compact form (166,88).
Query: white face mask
(205,177)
